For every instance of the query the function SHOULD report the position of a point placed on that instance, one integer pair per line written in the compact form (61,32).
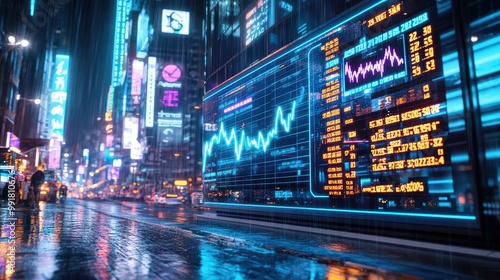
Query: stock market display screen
(351,118)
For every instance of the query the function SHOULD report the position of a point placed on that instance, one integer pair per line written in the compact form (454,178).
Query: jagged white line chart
(241,142)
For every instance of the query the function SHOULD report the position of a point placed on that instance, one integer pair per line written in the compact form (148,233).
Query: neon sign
(122,14)
(58,97)
(175,22)
(170,98)
(171,73)
(150,92)
(137,76)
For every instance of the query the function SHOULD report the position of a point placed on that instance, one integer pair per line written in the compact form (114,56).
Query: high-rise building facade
(30,41)
(153,118)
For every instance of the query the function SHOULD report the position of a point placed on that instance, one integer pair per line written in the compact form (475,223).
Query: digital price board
(379,122)
(351,118)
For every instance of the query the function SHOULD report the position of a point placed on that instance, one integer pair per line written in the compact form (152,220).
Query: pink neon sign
(137,76)
(170,98)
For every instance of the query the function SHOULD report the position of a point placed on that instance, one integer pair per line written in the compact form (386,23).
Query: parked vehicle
(197,199)
(193,198)
(161,200)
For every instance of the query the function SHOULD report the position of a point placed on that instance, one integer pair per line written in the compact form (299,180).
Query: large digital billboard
(169,128)
(352,120)
(175,22)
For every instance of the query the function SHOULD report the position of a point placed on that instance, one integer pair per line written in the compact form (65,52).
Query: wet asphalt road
(134,240)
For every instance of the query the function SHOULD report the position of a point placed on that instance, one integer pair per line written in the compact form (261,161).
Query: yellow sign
(180,182)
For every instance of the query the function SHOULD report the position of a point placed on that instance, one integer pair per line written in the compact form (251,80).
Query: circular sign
(171,73)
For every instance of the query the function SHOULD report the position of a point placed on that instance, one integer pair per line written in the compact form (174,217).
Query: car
(166,198)
(185,198)
(48,191)
(162,200)
(193,198)
(196,199)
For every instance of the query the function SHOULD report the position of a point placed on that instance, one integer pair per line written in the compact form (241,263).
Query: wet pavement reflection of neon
(97,240)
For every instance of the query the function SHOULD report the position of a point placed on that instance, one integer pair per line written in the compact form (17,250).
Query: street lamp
(37,101)
(26,102)
(5,48)
(22,43)
(11,45)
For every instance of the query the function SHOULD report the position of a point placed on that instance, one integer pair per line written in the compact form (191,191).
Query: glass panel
(484,36)
(362,119)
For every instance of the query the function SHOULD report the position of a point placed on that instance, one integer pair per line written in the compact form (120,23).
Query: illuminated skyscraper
(160,88)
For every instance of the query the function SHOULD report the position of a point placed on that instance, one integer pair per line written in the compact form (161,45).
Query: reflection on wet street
(115,240)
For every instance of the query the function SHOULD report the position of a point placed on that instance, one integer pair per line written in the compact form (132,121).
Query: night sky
(88,35)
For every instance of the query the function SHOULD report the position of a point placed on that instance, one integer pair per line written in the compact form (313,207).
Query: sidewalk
(439,248)
(93,240)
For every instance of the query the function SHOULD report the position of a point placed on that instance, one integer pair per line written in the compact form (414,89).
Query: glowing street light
(11,45)
(37,101)
(13,42)
(25,102)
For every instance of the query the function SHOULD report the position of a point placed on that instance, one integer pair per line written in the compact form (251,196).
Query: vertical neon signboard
(122,12)
(110,100)
(150,98)
(32,7)
(58,97)
(130,131)
(137,76)
(55,154)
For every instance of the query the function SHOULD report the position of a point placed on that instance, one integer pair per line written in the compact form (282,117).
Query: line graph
(243,142)
(369,67)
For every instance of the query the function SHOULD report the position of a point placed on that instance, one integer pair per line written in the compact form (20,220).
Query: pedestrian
(25,186)
(36,182)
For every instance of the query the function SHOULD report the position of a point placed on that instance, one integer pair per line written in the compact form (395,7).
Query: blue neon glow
(261,142)
(32,7)
(122,16)
(455,217)
(58,95)
(493,154)
(460,157)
